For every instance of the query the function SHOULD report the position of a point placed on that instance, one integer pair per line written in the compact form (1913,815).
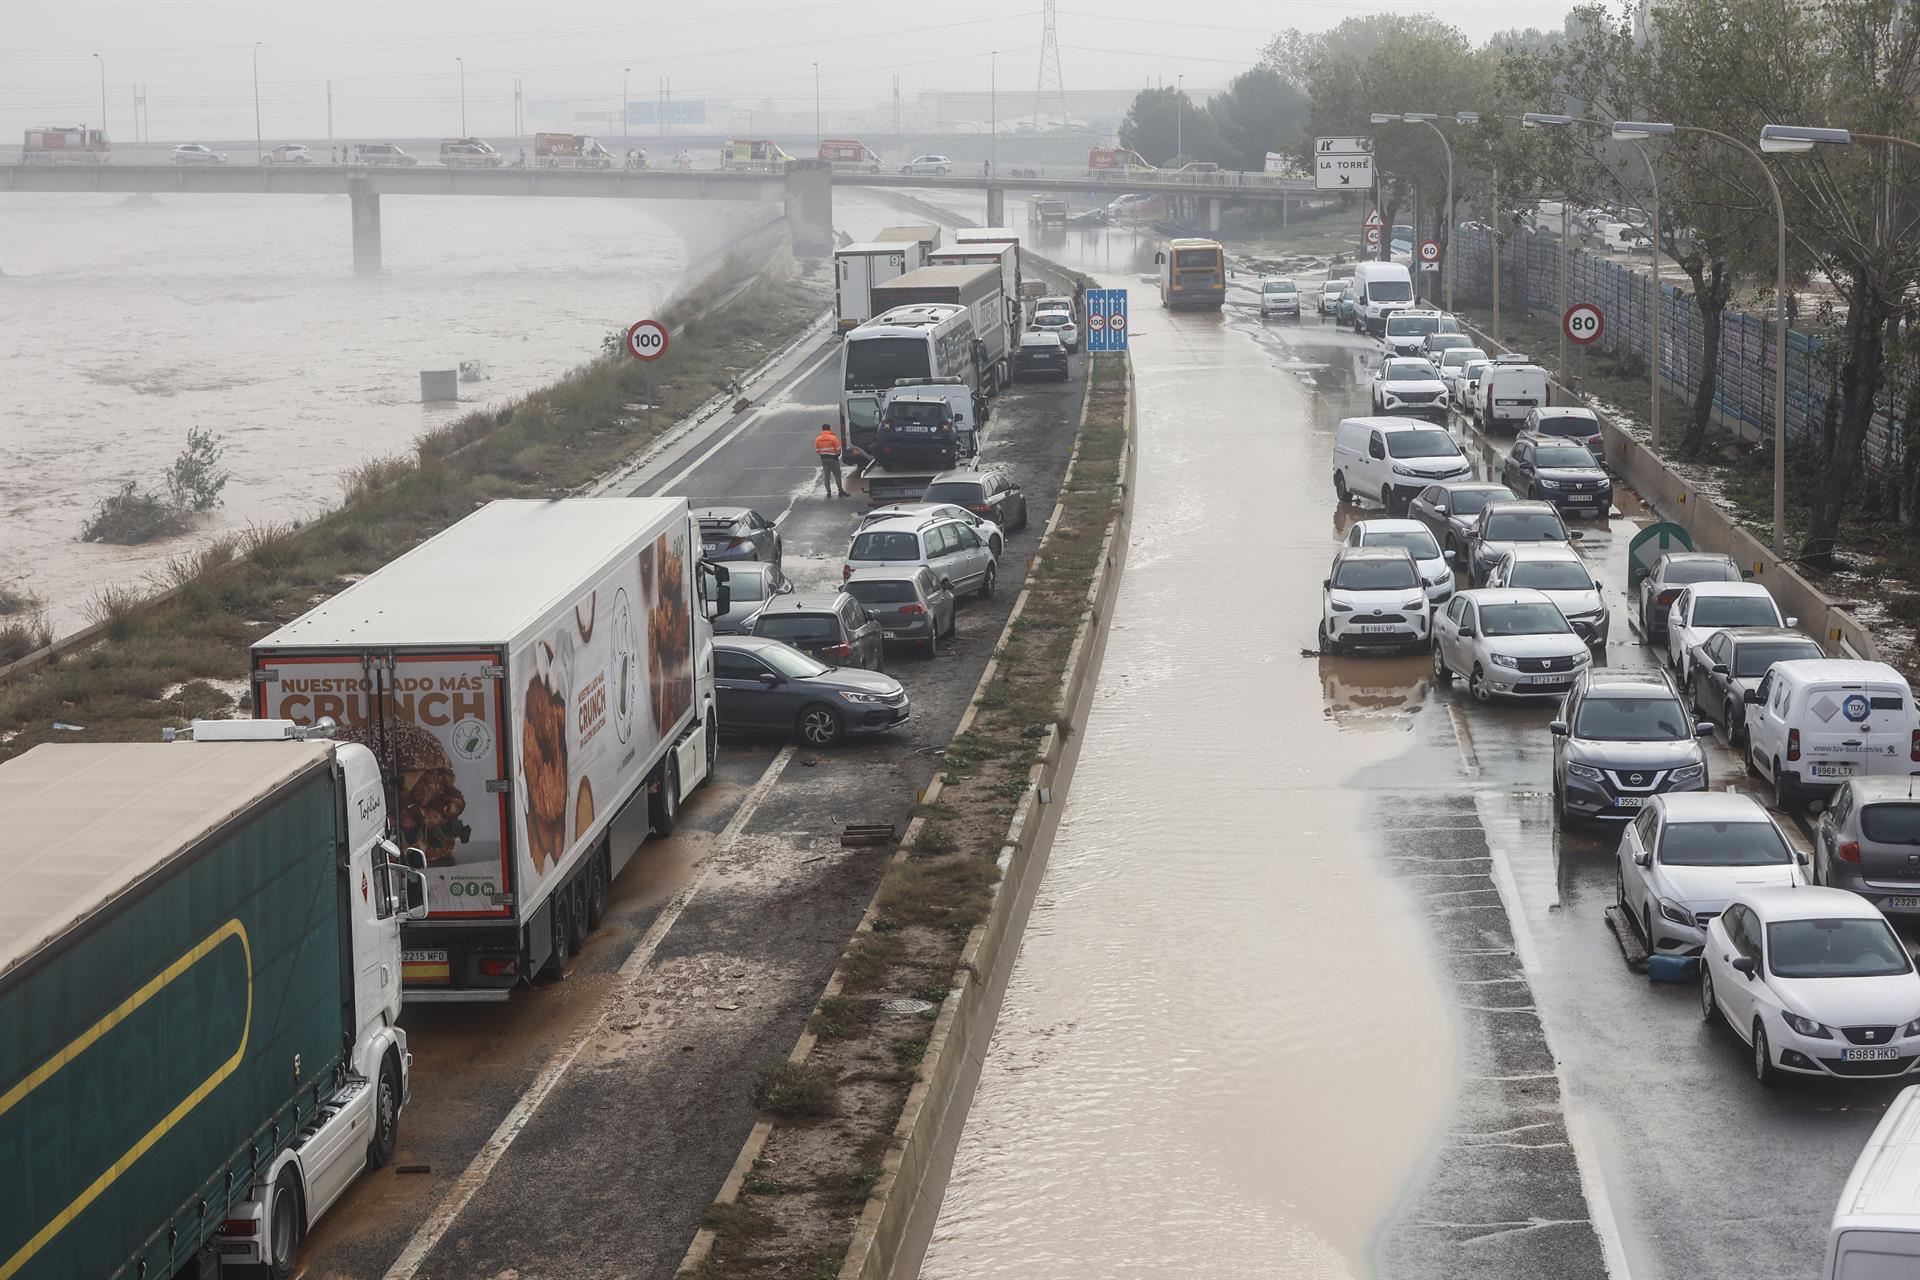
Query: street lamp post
(1428,118)
(625,110)
(818,135)
(993,107)
(259,143)
(103,96)
(463,95)
(1179,118)
(1789,139)
(1640,131)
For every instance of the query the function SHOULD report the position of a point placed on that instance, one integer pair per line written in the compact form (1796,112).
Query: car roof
(1808,902)
(1507,595)
(1384,525)
(805,602)
(1609,682)
(1679,557)
(1383,422)
(1545,551)
(1710,806)
(1878,790)
(1418,311)
(963,473)
(1518,504)
(1558,412)
(1742,634)
(1372,553)
(750,568)
(1036,338)
(886,572)
(720,513)
(1843,670)
(1728,589)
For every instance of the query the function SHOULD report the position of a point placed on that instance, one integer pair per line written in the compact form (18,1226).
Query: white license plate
(423,957)
(889,635)
(1838,769)
(1630,802)
(716,546)
(1544,679)
(1886,1054)
(1903,904)
(1374,628)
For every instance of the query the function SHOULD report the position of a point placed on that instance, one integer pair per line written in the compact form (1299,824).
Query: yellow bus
(1193,273)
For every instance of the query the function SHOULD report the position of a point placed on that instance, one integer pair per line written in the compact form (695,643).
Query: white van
(1812,723)
(1379,288)
(1875,1232)
(1391,459)
(1509,391)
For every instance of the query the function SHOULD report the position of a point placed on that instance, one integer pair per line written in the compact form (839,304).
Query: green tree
(1259,112)
(1167,128)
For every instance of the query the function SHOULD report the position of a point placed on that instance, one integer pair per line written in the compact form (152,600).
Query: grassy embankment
(159,664)
(834,1112)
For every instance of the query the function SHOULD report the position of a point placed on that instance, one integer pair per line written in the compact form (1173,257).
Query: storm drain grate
(906,1007)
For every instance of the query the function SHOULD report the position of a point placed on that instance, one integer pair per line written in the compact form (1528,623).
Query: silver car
(982,525)
(908,602)
(197,153)
(1868,842)
(1558,572)
(958,556)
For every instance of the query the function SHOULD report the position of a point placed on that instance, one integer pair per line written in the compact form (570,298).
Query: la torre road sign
(1583,323)
(647,340)
(1342,164)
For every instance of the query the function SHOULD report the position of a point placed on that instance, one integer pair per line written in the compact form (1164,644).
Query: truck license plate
(423,957)
(1837,769)
(1903,904)
(1868,1055)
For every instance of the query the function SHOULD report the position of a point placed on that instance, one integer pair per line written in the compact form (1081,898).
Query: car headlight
(1342,608)
(1690,773)
(1806,1026)
(1505,660)
(1549,484)
(1911,1029)
(1586,771)
(1418,602)
(1675,912)
(1404,471)
(1582,658)
(865,698)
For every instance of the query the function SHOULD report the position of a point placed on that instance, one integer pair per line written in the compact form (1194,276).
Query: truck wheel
(562,934)
(577,911)
(713,745)
(663,804)
(284,1227)
(596,888)
(386,1116)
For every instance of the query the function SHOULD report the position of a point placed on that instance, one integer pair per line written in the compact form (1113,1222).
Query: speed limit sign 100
(1583,323)
(647,340)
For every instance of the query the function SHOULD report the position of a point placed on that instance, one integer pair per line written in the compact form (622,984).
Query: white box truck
(925,234)
(976,236)
(857,268)
(997,254)
(521,677)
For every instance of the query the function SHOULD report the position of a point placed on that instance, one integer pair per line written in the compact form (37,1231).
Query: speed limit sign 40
(1583,323)
(647,340)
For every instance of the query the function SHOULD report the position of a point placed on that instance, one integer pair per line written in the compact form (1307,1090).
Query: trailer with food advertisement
(536,682)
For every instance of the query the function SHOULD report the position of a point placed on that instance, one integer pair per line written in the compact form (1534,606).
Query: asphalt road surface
(581,1128)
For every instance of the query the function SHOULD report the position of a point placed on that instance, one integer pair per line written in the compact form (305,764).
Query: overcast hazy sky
(392,64)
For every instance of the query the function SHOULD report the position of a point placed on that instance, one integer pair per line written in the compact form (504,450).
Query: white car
(1372,596)
(1508,643)
(1060,324)
(1465,387)
(1279,298)
(1409,387)
(1560,573)
(1705,607)
(197,153)
(1452,361)
(1330,294)
(1434,566)
(983,526)
(1816,981)
(1685,857)
(958,555)
(288,153)
(1406,331)
(927,164)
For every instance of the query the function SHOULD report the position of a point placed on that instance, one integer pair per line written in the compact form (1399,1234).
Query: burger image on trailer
(522,677)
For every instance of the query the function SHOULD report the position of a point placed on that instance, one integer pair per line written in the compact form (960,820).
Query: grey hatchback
(829,625)
(908,602)
(984,492)
(749,587)
(737,533)
(766,686)
(1868,842)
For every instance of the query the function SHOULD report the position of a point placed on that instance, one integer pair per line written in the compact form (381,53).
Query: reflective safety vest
(826,443)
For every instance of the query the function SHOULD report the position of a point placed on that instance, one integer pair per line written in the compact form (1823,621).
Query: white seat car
(1508,643)
(1560,573)
(1330,293)
(1060,324)
(927,164)
(1816,982)
(197,153)
(1434,566)
(1409,387)
(1684,858)
(1466,383)
(1705,607)
(1452,361)
(1372,596)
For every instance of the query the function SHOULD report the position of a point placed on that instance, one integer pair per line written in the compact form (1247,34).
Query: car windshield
(958,491)
(1418,542)
(1421,444)
(1723,844)
(791,662)
(1631,720)
(1375,575)
(916,415)
(1051,319)
(1460,357)
(1563,455)
(1750,661)
(1852,948)
(878,592)
(1891,823)
(1734,611)
(1527,618)
(1449,342)
(798,626)
(1578,428)
(1471,502)
(1409,370)
(1683,571)
(1333,289)
(1551,575)
(878,544)
(1524,526)
(1390,291)
(1472,369)
(1278,286)
(1412,326)
(714,526)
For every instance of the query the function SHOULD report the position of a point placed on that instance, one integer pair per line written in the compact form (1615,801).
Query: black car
(984,493)
(1729,662)
(767,686)
(917,431)
(1450,509)
(1040,353)
(1557,471)
(737,533)
(749,586)
(829,625)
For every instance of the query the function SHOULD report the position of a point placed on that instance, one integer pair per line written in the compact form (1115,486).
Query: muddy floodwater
(1221,1052)
(131,320)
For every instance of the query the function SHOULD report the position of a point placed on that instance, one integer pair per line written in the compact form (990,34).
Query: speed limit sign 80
(1583,323)
(647,340)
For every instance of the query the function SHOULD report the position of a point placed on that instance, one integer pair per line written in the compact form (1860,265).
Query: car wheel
(1734,735)
(818,725)
(1619,886)
(986,583)
(1386,499)
(1763,1069)
(1442,673)
(1327,643)
(663,804)
(1753,766)
(1709,1010)
(933,641)
(284,1227)
(1477,685)
(1340,491)
(1781,800)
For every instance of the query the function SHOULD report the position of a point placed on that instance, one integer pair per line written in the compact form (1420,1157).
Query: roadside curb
(900,1208)
(1671,497)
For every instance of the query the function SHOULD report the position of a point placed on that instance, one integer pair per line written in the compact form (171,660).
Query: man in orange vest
(827,445)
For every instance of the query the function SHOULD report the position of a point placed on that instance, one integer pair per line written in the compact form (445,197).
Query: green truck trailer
(199,981)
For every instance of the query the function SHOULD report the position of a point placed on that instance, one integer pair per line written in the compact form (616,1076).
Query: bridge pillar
(1213,214)
(810,207)
(996,206)
(366,227)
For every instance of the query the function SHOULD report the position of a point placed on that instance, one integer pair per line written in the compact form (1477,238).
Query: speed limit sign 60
(1583,323)
(647,340)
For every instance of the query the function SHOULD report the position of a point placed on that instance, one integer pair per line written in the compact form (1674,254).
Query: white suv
(1372,596)
(1508,643)
(953,549)
(927,164)
(197,153)
(1060,324)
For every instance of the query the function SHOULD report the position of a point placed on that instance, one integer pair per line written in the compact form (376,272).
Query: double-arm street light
(463,95)
(1428,118)
(259,145)
(103,98)
(1641,131)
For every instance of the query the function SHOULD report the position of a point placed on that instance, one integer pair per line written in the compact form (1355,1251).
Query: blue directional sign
(1106,319)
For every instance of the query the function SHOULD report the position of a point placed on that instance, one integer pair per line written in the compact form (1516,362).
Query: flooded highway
(1314,985)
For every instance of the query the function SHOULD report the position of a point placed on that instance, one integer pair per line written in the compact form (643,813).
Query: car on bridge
(288,153)
(381,153)
(927,164)
(197,153)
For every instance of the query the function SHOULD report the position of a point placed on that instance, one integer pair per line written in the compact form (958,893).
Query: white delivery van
(1391,459)
(1379,288)
(1812,723)
(1875,1234)
(1509,391)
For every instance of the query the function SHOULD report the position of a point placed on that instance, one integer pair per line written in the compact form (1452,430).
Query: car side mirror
(1327,583)
(1642,859)
(1703,728)
(1466,633)
(1558,729)
(1720,669)
(1440,509)
(1752,697)
(1159,259)
(1793,622)
(1744,964)
(1448,556)
(769,679)
(1574,535)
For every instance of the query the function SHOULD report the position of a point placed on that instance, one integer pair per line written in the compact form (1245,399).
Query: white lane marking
(779,401)
(475,1175)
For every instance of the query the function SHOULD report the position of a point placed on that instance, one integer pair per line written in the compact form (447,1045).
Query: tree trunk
(1860,377)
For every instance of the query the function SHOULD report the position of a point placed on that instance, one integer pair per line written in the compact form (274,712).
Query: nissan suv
(1622,737)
